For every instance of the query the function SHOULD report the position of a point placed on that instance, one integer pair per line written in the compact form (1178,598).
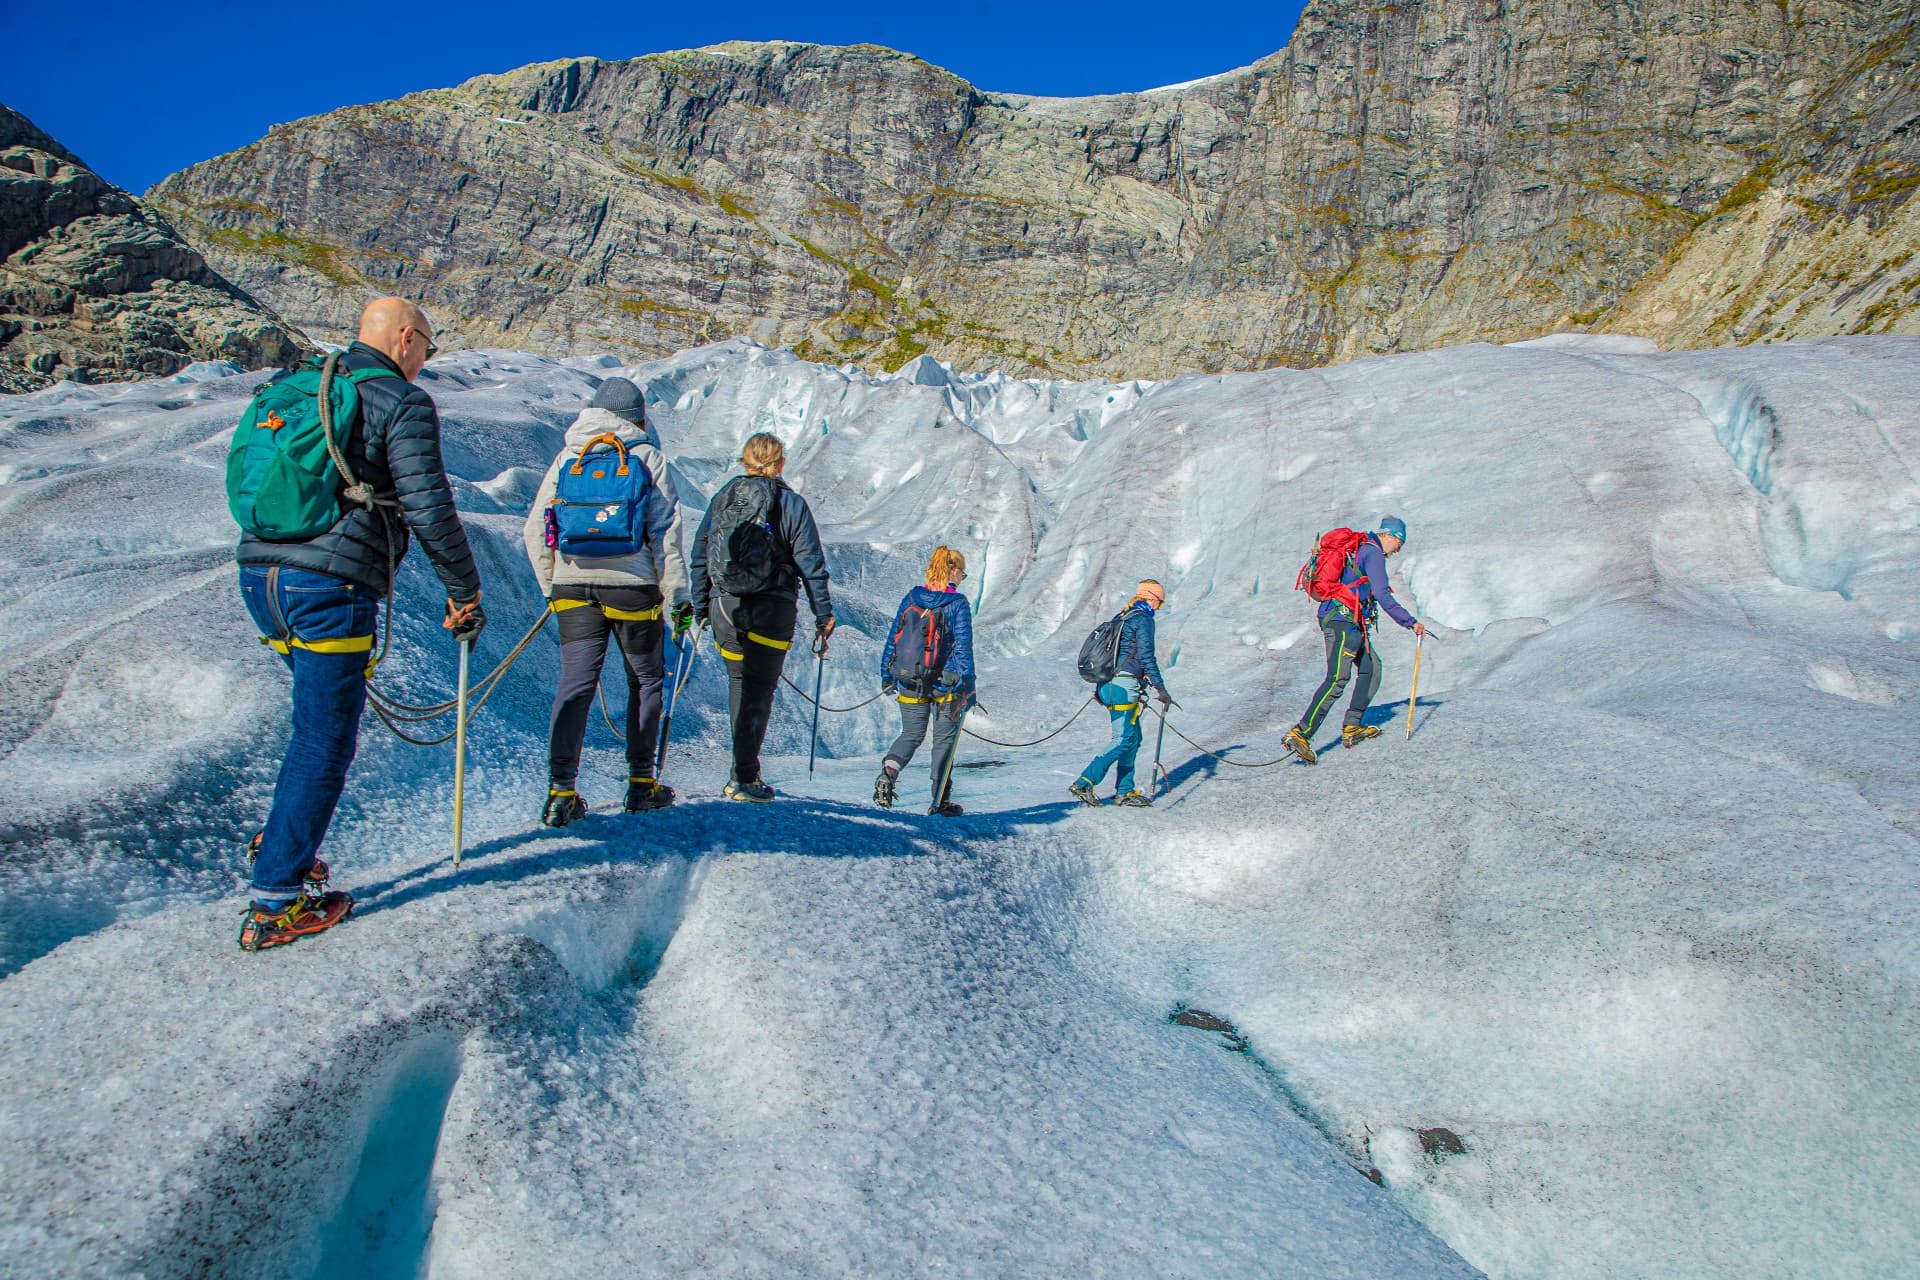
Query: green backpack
(284,468)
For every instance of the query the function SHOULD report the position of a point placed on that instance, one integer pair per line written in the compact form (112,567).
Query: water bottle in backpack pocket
(599,506)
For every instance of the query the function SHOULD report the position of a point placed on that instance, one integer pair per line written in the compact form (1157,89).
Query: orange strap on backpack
(605,437)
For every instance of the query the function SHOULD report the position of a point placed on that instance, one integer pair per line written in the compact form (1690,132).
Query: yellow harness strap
(346,644)
(729,654)
(914,702)
(769,641)
(613,614)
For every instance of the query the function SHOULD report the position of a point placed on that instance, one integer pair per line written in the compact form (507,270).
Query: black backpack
(744,556)
(1100,652)
(921,648)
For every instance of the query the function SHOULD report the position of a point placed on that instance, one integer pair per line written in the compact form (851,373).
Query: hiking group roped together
(336,465)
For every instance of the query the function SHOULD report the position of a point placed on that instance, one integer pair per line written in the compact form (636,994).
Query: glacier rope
(1238,764)
(393,713)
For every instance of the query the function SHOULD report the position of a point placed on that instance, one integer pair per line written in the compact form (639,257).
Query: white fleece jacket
(658,562)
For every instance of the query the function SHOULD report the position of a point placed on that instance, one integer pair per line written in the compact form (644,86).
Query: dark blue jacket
(796,534)
(1370,562)
(395,447)
(957,677)
(1136,646)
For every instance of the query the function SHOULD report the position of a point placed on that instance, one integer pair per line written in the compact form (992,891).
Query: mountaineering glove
(466,621)
(820,634)
(682,620)
(1163,697)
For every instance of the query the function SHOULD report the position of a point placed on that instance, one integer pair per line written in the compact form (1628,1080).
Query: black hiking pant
(753,634)
(1349,654)
(915,715)
(589,616)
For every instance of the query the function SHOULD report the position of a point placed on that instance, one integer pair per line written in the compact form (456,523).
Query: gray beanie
(619,396)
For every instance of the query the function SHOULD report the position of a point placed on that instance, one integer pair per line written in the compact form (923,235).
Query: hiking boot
(1354,734)
(315,883)
(644,794)
(945,809)
(883,792)
(1135,799)
(755,792)
(1297,743)
(266,926)
(1082,790)
(562,807)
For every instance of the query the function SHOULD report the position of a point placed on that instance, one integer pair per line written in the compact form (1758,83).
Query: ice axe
(683,667)
(941,796)
(1413,695)
(1160,774)
(460,754)
(819,671)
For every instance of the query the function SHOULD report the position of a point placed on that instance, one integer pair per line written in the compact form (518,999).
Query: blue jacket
(958,674)
(1136,646)
(1370,562)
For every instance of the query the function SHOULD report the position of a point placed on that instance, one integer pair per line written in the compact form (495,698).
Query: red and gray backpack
(1320,575)
(921,646)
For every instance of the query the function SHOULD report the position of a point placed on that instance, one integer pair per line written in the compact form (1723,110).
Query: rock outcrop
(96,287)
(1403,175)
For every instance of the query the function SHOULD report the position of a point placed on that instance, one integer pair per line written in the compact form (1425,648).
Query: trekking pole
(460,754)
(683,667)
(1413,695)
(819,670)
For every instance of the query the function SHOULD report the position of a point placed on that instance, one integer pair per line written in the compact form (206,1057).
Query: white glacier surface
(1609,970)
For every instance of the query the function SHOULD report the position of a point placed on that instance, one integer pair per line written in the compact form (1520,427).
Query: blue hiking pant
(1124,703)
(322,627)
(1349,654)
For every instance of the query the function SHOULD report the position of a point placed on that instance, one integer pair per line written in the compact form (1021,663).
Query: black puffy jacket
(395,447)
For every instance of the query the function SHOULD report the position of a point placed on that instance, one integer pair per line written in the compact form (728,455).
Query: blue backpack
(599,505)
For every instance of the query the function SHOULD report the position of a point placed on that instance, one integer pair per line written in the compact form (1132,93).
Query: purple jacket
(1370,562)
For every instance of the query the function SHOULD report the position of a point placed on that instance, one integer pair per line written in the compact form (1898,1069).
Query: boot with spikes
(314,886)
(564,805)
(1354,734)
(1296,742)
(883,790)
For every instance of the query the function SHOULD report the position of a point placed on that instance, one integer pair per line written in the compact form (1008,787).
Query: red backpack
(1320,575)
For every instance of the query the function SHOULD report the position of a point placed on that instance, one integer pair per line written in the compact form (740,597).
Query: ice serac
(96,287)
(1402,176)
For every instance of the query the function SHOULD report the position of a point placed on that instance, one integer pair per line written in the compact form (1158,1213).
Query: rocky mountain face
(1404,174)
(96,287)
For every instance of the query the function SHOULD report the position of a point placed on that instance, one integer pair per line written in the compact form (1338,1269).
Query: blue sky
(139,92)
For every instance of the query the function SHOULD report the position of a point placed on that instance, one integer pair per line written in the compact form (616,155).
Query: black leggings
(754,634)
(588,616)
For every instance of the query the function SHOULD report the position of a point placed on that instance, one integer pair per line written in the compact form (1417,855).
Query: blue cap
(619,396)
(1395,526)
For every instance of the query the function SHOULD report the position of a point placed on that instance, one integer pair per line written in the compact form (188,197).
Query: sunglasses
(432,350)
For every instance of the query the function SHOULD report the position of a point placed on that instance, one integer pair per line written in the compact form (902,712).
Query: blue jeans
(1124,703)
(321,622)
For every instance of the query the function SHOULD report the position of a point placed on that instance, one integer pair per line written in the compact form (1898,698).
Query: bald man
(316,601)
